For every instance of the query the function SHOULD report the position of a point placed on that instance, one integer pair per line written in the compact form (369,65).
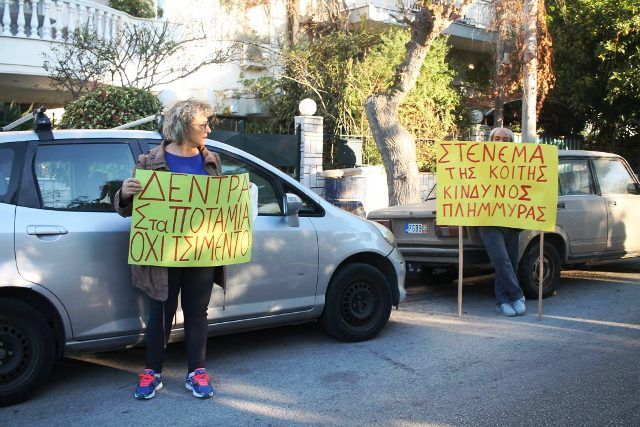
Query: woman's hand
(130,187)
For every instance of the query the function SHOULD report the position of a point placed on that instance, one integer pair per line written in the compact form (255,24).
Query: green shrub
(137,8)
(109,107)
(12,111)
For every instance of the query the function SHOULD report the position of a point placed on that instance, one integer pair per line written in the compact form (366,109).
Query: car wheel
(529,270)
(357,303)
(26,351)
(438,276)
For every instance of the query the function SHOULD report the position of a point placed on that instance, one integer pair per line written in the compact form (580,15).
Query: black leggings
(196,284)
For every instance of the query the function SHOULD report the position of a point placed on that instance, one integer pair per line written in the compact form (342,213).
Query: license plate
(416,228)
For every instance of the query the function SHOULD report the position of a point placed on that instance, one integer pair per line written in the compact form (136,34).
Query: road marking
(596,322)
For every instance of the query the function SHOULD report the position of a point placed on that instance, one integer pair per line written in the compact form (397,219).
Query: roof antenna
(42,124)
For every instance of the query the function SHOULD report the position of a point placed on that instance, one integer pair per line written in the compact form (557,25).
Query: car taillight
(385,222)
(449,231)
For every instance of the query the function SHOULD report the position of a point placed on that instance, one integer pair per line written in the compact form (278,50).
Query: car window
(574,177)
(309,207)
(82,177)
(613,176)
(269,200)
(6,164)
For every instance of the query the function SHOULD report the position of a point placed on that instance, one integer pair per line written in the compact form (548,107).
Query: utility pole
(530,70)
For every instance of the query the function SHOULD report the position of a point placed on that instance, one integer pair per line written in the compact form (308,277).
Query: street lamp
(307,107)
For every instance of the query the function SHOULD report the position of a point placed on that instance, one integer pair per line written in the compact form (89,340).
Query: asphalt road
(578,366)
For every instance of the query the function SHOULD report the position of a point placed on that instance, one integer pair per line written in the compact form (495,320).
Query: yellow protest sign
(182,220)
(497,183)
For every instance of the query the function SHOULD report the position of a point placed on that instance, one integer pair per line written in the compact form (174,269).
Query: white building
(30,28)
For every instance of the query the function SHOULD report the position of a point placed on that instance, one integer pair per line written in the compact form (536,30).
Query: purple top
(193,164)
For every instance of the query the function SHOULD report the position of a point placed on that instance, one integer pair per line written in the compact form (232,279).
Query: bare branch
(313,88)
(142,56)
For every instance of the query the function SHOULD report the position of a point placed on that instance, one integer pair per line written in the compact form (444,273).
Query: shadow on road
(427,367)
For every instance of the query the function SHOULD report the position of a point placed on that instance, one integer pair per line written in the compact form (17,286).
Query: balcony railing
(56,20)
(478,14)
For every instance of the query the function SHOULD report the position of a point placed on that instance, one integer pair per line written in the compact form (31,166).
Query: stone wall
(359,190)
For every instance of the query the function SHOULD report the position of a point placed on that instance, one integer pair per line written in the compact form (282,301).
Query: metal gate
(281,151)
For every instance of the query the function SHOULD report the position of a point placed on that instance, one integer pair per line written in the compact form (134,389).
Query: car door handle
(561,205)
(45,230)
(612,203)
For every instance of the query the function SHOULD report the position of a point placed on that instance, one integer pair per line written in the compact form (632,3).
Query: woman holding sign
(185,130)
(502,245)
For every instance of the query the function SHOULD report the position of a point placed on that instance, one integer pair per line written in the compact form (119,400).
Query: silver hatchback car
(65,284)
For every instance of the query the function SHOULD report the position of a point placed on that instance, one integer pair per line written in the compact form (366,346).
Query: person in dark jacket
(185,130)
(502,245)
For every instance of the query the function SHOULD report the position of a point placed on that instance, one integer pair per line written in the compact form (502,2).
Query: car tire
(438,276)
(528,270)
(27,351)
(357,303)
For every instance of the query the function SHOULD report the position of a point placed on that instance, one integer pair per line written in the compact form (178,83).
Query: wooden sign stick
(460,268)
(541,273)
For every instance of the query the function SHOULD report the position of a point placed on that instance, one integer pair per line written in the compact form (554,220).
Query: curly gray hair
(512,137)
(178,118)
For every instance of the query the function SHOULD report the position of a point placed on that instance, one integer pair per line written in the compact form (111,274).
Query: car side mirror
(633,188)
(292,205)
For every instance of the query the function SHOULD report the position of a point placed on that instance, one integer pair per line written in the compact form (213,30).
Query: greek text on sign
(497,183)
(191,220)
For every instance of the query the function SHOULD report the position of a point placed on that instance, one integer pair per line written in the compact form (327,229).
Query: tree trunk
(396,145)
(397,148)
(530,69)
(293,22)
(498,112)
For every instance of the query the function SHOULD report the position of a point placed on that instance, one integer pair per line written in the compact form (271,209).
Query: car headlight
(386,233)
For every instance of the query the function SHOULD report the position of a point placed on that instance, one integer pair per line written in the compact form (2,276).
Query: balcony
(30,28)
(466,33)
